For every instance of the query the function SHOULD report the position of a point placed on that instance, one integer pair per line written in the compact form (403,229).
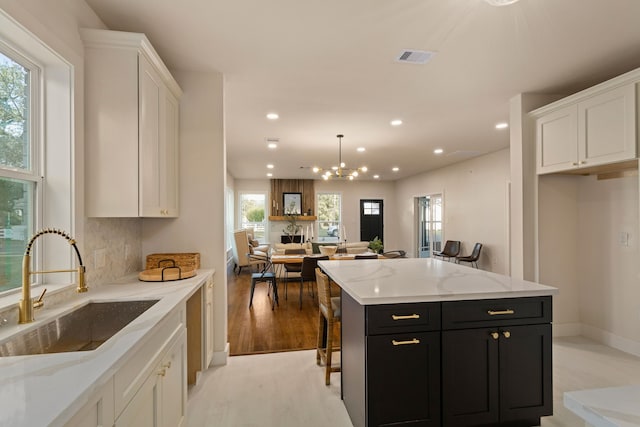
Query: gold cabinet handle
(167,365)
(162,372)
(583,162)
(574,164)
(410,316)
(495,335)
(413,341)
(500,312)
(507,334)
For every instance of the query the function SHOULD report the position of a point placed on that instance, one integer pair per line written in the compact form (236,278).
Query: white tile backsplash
(118,244)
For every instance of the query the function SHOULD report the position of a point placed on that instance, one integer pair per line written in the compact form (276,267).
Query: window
(252,213)
(19,172)
(329,208)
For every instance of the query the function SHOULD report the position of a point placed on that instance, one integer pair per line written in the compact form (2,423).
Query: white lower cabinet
(98,412)
(208,323)
(161,401)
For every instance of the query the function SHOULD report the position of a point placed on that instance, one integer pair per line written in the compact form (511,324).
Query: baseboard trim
(566,329)
(611,340)
(220,357)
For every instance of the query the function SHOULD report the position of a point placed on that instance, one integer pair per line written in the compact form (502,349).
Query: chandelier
(341,171)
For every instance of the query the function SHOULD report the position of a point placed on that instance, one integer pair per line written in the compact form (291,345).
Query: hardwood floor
(261,330)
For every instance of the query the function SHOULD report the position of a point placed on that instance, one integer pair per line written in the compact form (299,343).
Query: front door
(371,220)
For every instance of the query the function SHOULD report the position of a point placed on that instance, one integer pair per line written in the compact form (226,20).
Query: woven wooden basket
(184,260)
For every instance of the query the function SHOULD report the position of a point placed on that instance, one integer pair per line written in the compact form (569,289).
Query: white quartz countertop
(402,280)
(47,389)
(606,407)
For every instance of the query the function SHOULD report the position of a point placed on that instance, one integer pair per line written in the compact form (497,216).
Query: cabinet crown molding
(96,38)
(631,77)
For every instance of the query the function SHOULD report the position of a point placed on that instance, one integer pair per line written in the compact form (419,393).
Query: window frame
(265,222)
(32,174)
(340,222)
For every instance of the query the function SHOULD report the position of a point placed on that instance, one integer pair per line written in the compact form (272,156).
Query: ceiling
(330,67)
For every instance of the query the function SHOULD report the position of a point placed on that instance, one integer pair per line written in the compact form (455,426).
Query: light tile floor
(287,389)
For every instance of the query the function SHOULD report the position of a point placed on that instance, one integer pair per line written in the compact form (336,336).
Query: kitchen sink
(84,329)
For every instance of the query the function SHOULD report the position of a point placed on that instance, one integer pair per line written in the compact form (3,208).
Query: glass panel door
(429,225)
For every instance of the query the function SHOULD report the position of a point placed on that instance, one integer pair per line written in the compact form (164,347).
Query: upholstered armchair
(242,247)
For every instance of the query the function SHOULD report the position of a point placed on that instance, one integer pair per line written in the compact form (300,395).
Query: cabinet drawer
(394,318)
(496,312)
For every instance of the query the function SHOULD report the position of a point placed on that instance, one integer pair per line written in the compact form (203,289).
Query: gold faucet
(26,304)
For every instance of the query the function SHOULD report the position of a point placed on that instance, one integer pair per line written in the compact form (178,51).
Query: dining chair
(292,267)
(328,316)
(265,275)
(308,272)
(451,250)
(473,258)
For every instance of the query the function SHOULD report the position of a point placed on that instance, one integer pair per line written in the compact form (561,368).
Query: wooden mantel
(298,218)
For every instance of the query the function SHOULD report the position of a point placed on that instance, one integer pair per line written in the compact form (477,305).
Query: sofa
(243,245)
(313,248)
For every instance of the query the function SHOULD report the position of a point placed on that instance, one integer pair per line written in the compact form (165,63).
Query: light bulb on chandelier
(341,171)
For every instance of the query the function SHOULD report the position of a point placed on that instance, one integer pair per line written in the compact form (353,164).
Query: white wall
(558,248)
(475,206)
(200,226)
(352,192)
(608,271)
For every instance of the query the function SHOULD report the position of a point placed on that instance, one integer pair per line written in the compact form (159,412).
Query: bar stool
(328,315)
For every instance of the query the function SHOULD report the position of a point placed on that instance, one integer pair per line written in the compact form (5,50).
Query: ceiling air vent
(415,56)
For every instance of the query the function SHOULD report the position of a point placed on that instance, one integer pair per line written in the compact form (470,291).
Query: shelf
(298,218)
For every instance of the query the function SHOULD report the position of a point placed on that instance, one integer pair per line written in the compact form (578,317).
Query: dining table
(297,258)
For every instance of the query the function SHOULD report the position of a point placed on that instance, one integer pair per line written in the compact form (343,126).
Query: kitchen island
(432,343)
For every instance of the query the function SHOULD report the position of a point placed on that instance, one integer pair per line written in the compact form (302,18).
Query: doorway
(371,220)
(429,218)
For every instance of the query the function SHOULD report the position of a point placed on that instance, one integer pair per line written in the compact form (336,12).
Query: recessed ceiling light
(273,116)
(438,151)
(364,168)
(396,122)
(269,174)
(376,176)
(272,145)
(360,149)
(502,125)
(395,169)
(269,166)
(500,2)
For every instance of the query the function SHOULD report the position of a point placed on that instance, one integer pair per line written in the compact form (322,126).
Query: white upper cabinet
(591,128)
(131,132)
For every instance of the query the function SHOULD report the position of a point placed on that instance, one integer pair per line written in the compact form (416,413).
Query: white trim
(566,329)
(611,340)
(220,357)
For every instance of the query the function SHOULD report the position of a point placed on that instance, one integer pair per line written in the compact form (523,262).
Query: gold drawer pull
(507,334)
(413,341)
(497,313)
(495,335)
(411,316)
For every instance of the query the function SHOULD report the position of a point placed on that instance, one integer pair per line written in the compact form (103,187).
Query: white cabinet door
(150,114)
(208,326)
(174,384)
(170,153)
(159,111)
(99,412)
(161,401)
(607,127)
(557,140)
(143,409)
